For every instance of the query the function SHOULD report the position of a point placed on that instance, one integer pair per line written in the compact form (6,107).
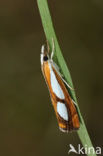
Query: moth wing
(64,107)
(73,118)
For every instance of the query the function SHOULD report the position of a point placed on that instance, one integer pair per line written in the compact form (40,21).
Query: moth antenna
(48,48)
(42,49)
(53,48)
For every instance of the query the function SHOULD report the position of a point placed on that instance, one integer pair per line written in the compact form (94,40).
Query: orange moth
(64,106)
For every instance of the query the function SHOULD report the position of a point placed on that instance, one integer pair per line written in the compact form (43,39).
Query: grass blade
(50,33)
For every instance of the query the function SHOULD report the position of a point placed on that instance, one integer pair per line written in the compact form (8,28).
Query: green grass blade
(50,33)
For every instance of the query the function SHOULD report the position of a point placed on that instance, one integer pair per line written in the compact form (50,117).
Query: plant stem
(50,33)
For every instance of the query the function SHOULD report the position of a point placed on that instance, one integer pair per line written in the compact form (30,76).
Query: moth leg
(67,84)
(74,102)
(56,66)
(53,48)
(58,71)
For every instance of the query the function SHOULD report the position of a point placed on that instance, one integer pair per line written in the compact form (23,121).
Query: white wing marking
(55,85)
(62,110)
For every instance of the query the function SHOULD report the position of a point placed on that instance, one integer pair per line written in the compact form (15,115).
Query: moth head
(44,55)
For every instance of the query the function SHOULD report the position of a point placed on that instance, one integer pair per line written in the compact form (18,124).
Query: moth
(64,106)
